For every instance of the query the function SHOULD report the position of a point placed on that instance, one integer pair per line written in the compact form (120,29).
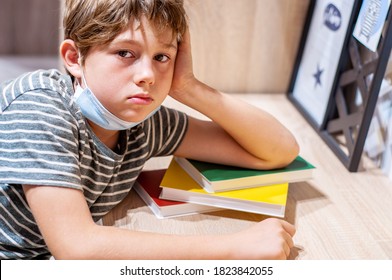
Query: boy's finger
(289,228)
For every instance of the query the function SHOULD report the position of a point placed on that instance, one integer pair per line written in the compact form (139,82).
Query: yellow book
(268,200)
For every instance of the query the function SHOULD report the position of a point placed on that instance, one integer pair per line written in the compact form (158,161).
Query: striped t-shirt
(45,140)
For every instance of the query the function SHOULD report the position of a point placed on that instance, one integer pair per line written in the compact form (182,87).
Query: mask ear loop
(81,67)
(78,86)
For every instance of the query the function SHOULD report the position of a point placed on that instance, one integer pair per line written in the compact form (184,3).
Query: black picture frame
(360,72)
(321,46)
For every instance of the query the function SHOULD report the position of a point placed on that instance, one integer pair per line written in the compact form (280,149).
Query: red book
(148,188)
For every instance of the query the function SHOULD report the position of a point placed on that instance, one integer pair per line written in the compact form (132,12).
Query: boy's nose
(144,72)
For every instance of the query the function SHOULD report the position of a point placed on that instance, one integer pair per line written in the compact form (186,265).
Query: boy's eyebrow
(134,42)
(170,45)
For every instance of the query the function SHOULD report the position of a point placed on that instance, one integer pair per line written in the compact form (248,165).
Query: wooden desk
(338,215)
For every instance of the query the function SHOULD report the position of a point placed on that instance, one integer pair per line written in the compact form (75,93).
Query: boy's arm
(257,138)
(70,233)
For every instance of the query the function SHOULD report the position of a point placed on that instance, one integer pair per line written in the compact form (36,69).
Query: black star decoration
(317,76)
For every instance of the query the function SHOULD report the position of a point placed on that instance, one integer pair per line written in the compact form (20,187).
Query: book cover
(268,200)
(216,177)
(147,186)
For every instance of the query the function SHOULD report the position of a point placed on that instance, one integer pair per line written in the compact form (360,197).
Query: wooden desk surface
(338,215)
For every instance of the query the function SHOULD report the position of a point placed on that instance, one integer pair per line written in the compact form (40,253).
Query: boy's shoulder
(40,80)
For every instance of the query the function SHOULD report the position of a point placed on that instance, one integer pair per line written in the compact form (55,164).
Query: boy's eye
(125,54)
(162,58)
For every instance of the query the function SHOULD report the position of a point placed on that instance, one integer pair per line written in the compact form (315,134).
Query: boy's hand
(269,239)
(183,77)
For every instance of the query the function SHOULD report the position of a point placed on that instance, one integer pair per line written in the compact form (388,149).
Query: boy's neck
(108,137)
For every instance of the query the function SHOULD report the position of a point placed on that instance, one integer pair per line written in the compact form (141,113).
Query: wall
(29,27)
(246,45)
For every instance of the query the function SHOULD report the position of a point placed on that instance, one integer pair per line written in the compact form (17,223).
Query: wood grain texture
(246,46)
(338,215)
(29,27)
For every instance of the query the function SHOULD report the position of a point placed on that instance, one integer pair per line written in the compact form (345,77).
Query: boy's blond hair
(97,22)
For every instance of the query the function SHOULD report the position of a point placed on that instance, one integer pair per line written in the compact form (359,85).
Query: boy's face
(133,74)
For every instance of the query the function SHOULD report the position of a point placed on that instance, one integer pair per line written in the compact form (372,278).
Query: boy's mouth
(141,99)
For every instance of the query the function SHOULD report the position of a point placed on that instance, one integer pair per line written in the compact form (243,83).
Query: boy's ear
(70,56)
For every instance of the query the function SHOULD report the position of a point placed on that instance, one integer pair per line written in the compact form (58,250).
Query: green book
(216,177)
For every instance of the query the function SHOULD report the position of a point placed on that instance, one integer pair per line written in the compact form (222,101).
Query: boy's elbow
(285,155)
(289,154)
(293,151)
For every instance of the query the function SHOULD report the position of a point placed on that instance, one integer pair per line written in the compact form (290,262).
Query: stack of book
(189,187)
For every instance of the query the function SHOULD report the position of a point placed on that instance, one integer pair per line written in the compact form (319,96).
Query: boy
(72,145)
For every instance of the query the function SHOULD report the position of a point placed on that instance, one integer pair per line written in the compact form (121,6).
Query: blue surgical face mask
(93,110)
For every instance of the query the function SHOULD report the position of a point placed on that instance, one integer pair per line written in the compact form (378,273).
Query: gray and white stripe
(44,140)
